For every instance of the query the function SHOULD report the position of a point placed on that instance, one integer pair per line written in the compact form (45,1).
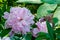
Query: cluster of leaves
(40,8)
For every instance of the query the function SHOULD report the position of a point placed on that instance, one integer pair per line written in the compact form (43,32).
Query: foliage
(40,9)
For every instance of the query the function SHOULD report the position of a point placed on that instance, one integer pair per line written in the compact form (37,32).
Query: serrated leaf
(29,1)
(57,15)
(45,9)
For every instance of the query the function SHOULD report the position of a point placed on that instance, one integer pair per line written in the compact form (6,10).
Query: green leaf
(29,1)
(43,35)
(0,0)
(10,2)
(12,38)
(4,7)
(57,33)
(15,38)
(1,12)
(55,20)
(51,1)
(58,36)
(48,1)
(57,30)
(4,32)
(27,37)
(50,30)
(57,1)
(39,38)
(1,28)
(45,9)
(57,15)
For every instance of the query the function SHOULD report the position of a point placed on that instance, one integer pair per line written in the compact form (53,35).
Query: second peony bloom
(41,27)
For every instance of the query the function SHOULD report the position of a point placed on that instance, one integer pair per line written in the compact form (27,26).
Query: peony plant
(29,20)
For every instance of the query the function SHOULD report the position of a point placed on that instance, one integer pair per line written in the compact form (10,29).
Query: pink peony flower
(19,19)
(41,27)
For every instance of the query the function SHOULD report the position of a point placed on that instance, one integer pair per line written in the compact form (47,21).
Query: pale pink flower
(41,27)
(19,19)
(35,31)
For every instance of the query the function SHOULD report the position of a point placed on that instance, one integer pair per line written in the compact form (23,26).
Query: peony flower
(19,19)
(41,27)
